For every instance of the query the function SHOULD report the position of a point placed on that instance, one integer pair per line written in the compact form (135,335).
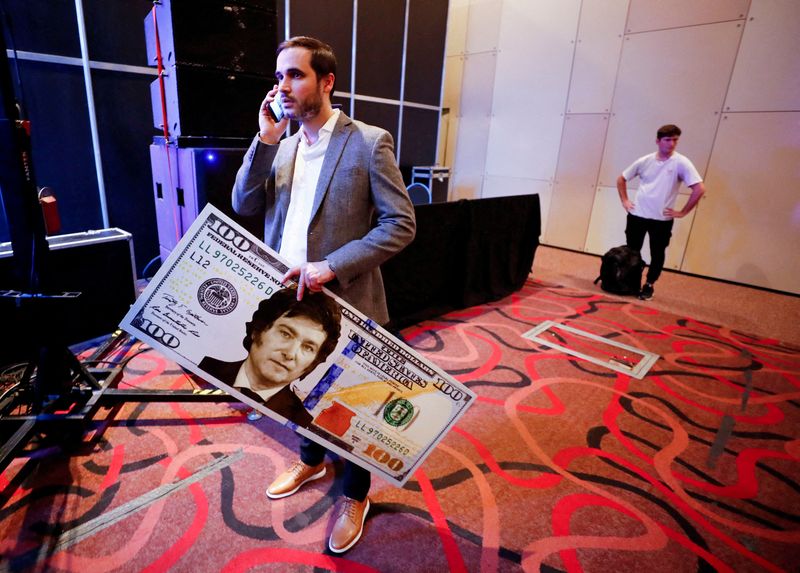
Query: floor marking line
(101,522)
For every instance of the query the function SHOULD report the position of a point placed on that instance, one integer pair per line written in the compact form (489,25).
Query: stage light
(211,157)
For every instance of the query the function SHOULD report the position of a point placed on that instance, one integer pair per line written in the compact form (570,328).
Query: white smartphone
(275,109)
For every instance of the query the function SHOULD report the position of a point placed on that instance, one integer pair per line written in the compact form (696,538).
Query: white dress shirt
(307,167)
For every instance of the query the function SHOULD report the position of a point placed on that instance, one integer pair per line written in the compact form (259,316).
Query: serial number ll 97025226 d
(379,436)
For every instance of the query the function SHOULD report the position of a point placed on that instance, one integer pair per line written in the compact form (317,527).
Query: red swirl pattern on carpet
(561,464)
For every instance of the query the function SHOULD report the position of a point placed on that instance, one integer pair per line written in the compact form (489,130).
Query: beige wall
(556,97)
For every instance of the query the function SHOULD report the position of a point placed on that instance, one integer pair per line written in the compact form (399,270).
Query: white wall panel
(524,147)
(748,228)
(470,151)
(659,14)
(451,99)
(581,149)
(767,72)
(607,223)
(476,95)
(448,126)
(568,216)
(453,77)
(457,16)
(576,176)
(674,76)
(499,186)
(484,25)
(539,25)
(465,186)
(607,228)
(602,23)
(531,86)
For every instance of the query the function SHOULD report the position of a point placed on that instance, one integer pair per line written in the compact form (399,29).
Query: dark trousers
(660,233)
(356,479)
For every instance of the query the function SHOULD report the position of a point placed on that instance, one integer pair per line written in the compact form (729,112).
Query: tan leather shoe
(349,525)
(296,475)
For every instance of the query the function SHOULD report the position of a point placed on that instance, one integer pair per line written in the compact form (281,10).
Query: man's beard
(307,109)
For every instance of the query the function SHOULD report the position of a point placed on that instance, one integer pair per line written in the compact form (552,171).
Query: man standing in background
(336,208)
(660,177)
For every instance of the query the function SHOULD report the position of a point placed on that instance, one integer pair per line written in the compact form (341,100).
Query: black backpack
(621,271)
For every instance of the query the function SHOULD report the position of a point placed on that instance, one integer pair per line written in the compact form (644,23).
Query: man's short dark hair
(668,130)
(315,306)
(323,60)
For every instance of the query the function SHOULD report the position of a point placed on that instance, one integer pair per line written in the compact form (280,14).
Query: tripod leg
(81,371)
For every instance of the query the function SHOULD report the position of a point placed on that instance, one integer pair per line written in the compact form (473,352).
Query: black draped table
(465,253)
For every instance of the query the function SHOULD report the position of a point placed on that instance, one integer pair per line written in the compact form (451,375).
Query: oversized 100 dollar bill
(373,400)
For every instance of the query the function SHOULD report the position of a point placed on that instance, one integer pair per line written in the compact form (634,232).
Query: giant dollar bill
(217,307)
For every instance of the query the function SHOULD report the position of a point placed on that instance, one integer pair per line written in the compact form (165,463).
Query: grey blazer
(361,215)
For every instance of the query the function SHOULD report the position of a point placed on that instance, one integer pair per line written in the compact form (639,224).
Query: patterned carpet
(561,465)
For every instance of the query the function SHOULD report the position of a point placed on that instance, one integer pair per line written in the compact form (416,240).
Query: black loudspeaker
(206,102)
(219,63)
(99,265)
(236,35)
(200,175)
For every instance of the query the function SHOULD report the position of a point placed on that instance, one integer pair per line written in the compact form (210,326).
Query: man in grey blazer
(335,206)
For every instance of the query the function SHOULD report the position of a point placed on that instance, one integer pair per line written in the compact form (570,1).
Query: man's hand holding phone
(271,120)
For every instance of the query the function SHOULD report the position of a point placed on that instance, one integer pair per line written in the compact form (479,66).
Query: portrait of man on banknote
(285,340)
